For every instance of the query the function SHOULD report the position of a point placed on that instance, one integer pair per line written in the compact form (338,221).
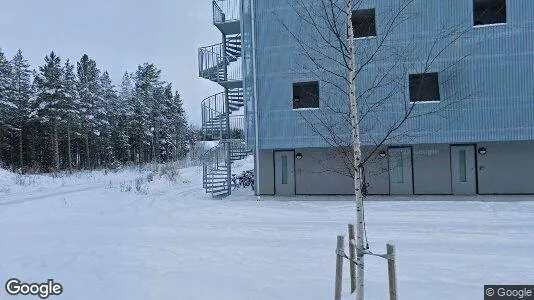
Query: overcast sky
(118,35)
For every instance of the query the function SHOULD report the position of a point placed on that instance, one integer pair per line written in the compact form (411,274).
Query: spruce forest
(68,116)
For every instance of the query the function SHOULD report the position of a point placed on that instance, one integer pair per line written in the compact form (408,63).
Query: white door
(464,172)
(400,171)
(284,173)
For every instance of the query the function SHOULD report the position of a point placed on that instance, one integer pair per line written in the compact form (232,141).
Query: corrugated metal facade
(486,83)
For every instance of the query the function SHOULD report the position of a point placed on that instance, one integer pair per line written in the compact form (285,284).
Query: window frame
(301,83)
(506,15)
(375,24)
(424,101)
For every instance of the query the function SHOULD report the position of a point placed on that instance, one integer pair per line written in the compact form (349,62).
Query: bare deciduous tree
(365,88)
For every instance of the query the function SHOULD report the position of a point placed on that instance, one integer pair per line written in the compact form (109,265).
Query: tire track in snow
(44,196)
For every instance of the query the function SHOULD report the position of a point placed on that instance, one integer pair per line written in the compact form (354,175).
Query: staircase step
(221,193)
(215,128)
(235,107)
(216,179)
(221,175)
(214,123)
(216,186)
(218,172)
(237,158)
(239,152)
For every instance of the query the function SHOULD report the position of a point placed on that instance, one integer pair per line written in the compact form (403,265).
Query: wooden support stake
(339,266)
(392,272)
(352,255)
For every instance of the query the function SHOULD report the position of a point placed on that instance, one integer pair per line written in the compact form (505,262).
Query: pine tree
(166,128)
(183,135)
(145,102)
(20,93)
(49,102)
(67,118)
(176,128)
(89,92)
(107,117)
(72,106)
(6,104)
(124,111)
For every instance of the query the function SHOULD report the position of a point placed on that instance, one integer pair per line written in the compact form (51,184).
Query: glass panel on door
(463,166)
(284,169)
(399,167)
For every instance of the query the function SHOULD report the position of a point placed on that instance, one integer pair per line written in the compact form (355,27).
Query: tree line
(65,116)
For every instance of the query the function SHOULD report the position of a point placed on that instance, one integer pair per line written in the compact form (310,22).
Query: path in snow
(174,242)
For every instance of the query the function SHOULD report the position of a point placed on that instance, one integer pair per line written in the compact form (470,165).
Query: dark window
(489,12)
(306,95)
(424,87)
(364,23)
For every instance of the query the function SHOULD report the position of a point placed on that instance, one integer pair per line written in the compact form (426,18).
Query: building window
(489,12)
(364,23)
(424,87)
(306,95)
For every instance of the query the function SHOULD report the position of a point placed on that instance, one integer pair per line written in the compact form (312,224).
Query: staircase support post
(224,59)
(226,110)
(229,169)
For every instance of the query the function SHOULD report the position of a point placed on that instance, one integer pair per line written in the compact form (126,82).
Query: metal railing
(238,146)
(226,11)
(214,110)
(237,127)
(216,168)
(215,125)
(217,162)
(215,65)
(234,70)
(209,61)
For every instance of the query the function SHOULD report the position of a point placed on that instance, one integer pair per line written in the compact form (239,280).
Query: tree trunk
(99,156)
(21,153)
(141,154)
(176,147)
(69,151)
(356,143)
(33,153)
(87,156)
(154,158)
(77,156)
(56,148)
(12,155)
(1,141)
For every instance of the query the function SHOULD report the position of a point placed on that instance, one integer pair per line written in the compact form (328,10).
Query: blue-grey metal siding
(491,91)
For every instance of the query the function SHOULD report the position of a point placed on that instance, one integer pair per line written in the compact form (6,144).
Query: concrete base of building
(484,168)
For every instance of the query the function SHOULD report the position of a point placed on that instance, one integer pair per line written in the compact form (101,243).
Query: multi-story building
(459,66)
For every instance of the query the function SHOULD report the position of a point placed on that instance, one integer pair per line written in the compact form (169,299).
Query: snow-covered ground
(123,236)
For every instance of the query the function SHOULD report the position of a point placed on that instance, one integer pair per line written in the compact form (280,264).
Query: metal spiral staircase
(221,117)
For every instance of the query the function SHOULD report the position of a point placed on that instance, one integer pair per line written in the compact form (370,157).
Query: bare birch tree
(365,94)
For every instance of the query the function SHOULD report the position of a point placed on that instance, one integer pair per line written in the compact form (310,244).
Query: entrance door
(284,173)
(400,171)
(464,172)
